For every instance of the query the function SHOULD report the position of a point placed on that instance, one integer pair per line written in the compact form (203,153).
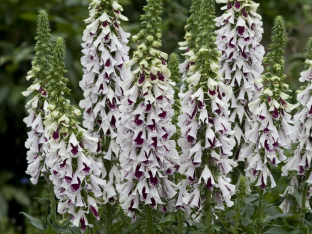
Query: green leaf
(34,221)
(276,216)
(21,197)
(75,230)
(276,230)
(4,91)
(298,197)
(50,229)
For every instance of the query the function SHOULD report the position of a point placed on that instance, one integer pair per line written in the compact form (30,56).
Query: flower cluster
(239,39)
(270,133)
(205,128)
(298,167)
(188,45)
(35,143)
(148,157)
(105,54)
(76,176)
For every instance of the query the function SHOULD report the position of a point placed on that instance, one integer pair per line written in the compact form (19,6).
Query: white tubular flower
(105,53)
(206,136)
(148,157)
(239,40)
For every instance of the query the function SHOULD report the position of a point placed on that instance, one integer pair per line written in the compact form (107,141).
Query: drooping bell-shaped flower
(148,157)
(271,130)
(206,141)
(188,45)
(105,53)
(239,40)
(76,176)
(298,167)
(36,106)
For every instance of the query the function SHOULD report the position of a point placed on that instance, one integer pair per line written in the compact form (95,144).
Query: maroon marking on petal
(153,202)
(275,113)
(55,172)
(138,140)
(160,98)
(112,105)
(229,5)
(74,149)
(116,11)
(82,224)
(244,13)
(161,76)
(152,127)
(42,92)
(56,134)
(108,63)
(86,169)
(144,193)
(68,179)
(247,39)
(301,170)
(212,92)
(91,58)
(169,171)
(212,143)
(261,117)
(98,146)
(113,122)
(231,45)
(138,121)
(165,136)
(130,102)
(89,111)
(153,77)
(266,130)
(262,183)
(153,180)
(163,114)
(101,88)
(190,139)
(218,111)
(148,107)
(63,164)
(75,187)
(192,178)
(92,34)
(241,30)
(237,4)
(200,105)
(154,144)
(209,184)
(105,23)
(283,103)
(131,206)
(244,55)
(95,213)
(142,78)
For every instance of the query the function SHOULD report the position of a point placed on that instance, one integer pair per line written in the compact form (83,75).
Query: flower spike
(105,53)
(36,106)
(148,156)
(205,128)
(271,131)
(239,40)
(76,176)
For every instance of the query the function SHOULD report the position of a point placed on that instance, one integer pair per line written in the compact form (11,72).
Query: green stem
(259,221)
(149,219)
(303,207)
(236,220)
(108,218)
(53,203)
(208,212)
(180,223)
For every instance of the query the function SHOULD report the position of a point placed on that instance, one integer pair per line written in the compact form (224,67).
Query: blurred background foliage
(17,32)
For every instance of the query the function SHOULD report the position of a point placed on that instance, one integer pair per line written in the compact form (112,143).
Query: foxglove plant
(205,128)
(188,45)
(148,156)
(35,143)
(271,129)
(76,176)
(105,54)
(298,167)
(239,40)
